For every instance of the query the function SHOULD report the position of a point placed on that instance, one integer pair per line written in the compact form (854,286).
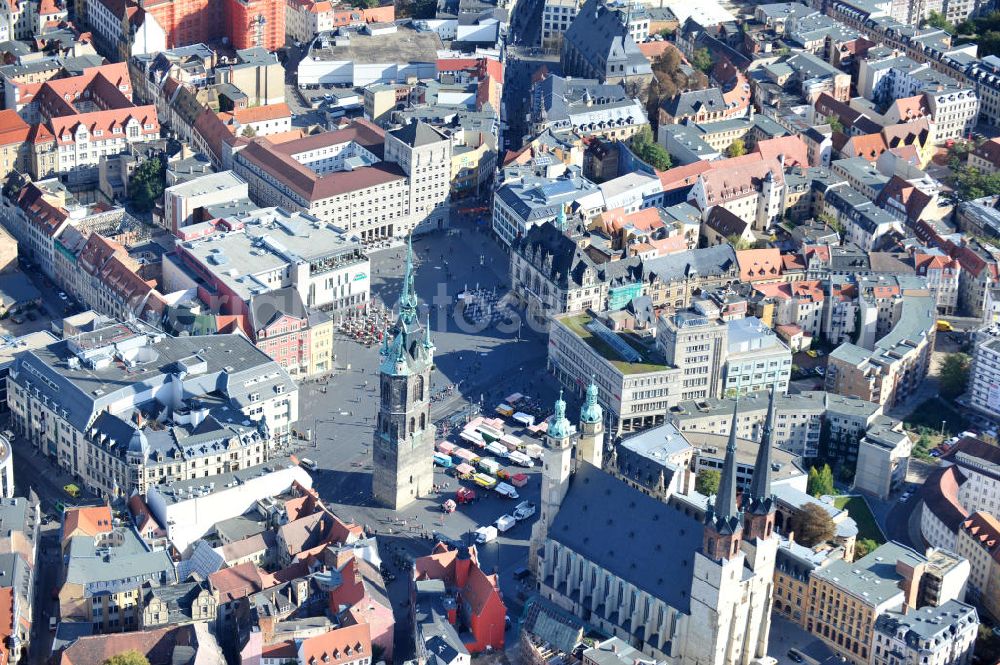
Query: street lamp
(943,422)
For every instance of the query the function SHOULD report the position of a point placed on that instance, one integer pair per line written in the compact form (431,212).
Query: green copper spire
(561,218)
(408,296)
(591,411)
(558,425)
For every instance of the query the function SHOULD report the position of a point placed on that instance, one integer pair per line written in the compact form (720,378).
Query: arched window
(419,385)
(423,422)
(413,424)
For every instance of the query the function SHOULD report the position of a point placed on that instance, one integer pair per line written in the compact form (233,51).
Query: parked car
(486,534)
(504,489)
(524,510)
(795,655)
(504,523)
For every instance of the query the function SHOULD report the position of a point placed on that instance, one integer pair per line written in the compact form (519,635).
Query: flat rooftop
(713,446)
(185,490)
(208,183)
(402,46)
(270,240)
(649,359)
(657,443)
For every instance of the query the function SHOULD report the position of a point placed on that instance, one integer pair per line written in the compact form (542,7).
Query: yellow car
(944,326)
(811,353)
(72,490)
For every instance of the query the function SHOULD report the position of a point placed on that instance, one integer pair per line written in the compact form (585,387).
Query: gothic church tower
(403,449)
(556,472)
(590,444)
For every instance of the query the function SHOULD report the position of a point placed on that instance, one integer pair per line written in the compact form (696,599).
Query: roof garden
(649,360)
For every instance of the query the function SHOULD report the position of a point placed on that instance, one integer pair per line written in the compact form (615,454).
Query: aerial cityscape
(499,332)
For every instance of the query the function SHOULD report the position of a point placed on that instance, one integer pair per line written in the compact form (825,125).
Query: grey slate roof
(873,578)
(82,391)
(266,307)
(709,261)
(569,262)
(935,624)
(635,537)
(123,566)
(691,102)
(418,134)
(604,42)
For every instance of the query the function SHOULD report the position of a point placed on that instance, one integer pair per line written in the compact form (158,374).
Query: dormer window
(98,132)
(116,130)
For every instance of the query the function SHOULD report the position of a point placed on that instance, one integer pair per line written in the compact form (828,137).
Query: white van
(486,534)
(504,523)
(503,489)
(498,449)
(520,459)
(525,419)
(309,464)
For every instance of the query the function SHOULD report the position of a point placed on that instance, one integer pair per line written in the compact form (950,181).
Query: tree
(812,481)
(737,148)
(701,60)
(820,481)
(146,184)
(249,132)
(832,222)
(835,123)
(670,76)
(954,374)
(987,646)
(707,482)
(738,242)
(131,657)
(970,183)
(936,20)
(813,525)
(649,151)
(864,547)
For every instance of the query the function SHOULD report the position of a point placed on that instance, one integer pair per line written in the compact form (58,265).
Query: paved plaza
(475,361)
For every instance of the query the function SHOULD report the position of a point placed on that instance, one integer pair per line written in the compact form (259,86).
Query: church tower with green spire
(556,471)
(590,443)
(403,447)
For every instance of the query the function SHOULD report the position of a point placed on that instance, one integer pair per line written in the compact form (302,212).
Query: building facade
(114,439)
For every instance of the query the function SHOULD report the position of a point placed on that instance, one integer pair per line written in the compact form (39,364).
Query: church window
(413,424)
(423,422)
(419,387)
